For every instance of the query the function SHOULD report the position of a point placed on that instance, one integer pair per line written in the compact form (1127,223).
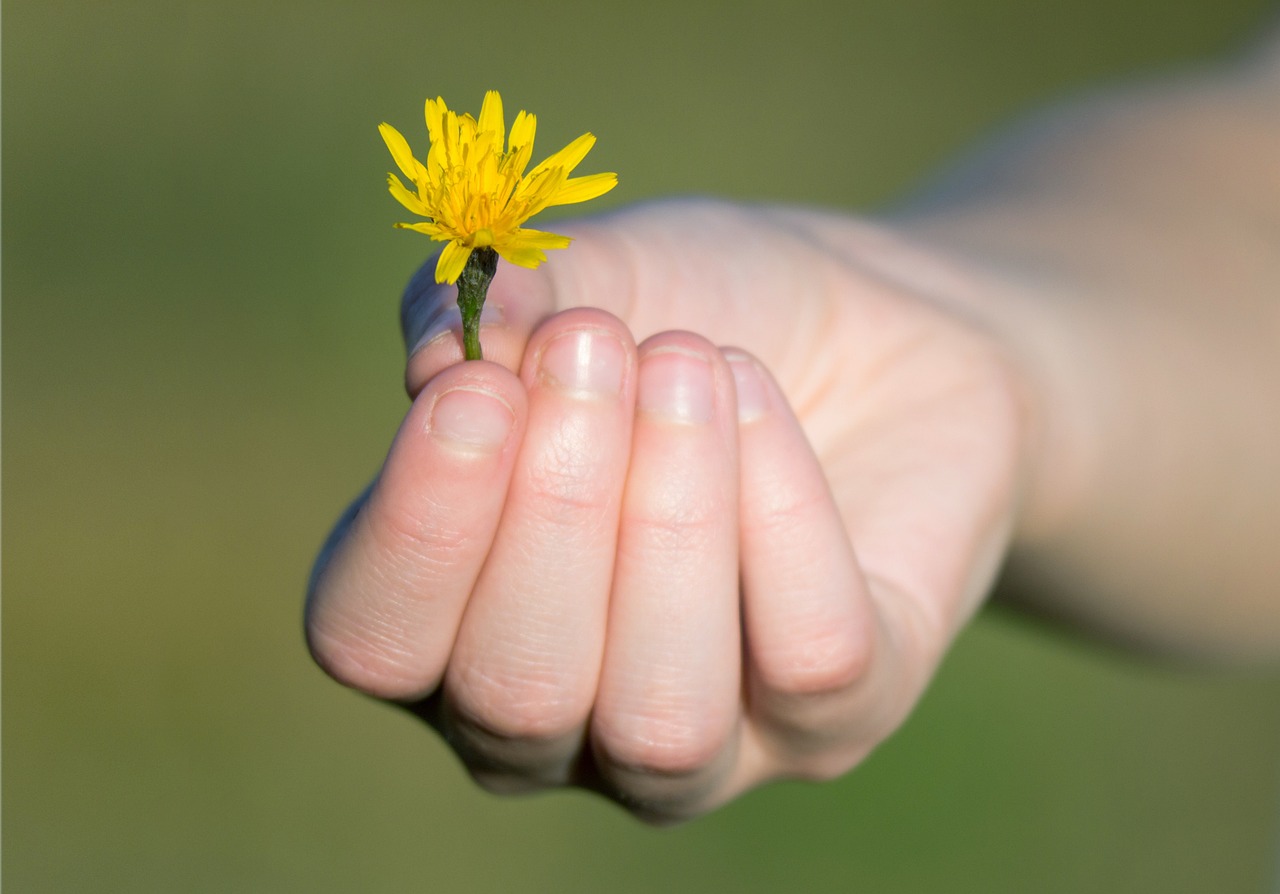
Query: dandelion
(476,196)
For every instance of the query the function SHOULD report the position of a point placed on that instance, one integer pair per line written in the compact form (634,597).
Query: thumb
(595,271)
(431,323)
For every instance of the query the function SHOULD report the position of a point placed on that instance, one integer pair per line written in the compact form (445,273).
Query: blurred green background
(201,366)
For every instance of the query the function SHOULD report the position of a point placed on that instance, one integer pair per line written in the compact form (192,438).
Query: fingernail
(589,363)
(676,385)
(471,419)
(449,319)
(753,399)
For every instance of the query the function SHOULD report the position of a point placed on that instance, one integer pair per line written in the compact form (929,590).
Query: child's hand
(673,571)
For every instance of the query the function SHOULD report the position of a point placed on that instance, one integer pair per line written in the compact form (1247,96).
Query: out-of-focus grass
(200,365)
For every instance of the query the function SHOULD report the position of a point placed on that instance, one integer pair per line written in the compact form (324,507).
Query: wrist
(1151,413)
(1057,345)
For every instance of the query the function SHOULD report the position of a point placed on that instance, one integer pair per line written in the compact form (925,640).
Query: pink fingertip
(677,385)
(753,398)
(471,419)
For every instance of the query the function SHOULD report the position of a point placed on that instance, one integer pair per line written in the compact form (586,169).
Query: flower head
(476,195)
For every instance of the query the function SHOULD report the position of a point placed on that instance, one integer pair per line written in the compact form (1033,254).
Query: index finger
(387,599)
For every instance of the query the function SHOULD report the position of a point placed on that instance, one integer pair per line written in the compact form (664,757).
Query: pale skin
(731,479)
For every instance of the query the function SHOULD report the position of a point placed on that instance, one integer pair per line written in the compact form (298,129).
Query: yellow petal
(467,129)
(515,161)
(437,163)
(522,131)
(400,150)
(581,189)
(525,248)
(427,228)
(523,238)
(569,156)
(452,259)
(406,198)
(435,113)
(450,130)
(472,192)
(491,119)
(536,191)
(521,257)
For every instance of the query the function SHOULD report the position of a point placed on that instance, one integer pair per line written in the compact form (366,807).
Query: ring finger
(667,711)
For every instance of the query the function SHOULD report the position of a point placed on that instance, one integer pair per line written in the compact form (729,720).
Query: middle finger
(523,674)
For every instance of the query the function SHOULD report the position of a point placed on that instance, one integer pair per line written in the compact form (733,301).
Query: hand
(672,571)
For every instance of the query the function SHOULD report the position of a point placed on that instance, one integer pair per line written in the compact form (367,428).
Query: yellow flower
(477,196)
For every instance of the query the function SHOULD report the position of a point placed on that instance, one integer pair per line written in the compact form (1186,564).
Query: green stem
(473,285)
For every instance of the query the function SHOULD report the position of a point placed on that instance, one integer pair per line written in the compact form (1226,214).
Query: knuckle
(678,493)
(378,664)
(529,704)
(824,662)
(673,745)
(679,524)
(566,486)
(785,509)
(421,532)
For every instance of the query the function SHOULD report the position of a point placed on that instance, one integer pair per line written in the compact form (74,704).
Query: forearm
(1129,251)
